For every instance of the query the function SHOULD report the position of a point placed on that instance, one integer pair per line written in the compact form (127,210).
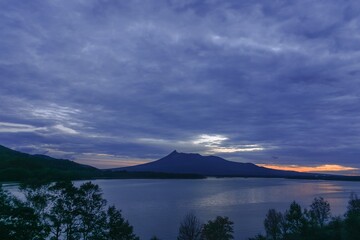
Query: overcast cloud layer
(112,83)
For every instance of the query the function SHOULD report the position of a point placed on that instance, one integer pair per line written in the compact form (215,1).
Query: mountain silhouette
(195,163)
(23,167)
(18,166)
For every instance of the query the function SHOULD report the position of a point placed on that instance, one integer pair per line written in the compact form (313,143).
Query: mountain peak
(173,152)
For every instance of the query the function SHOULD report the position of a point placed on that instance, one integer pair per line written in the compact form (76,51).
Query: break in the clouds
(122,82)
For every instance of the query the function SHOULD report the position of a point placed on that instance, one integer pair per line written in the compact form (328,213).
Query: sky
(114,83)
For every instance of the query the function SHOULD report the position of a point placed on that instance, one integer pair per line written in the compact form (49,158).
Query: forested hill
(16,166)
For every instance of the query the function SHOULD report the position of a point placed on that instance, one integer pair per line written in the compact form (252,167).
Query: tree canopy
(313,224)
(61,211)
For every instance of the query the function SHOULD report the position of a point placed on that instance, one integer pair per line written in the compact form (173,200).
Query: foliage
(17,220)
(313,224)
(219,229)
(295,221)
(118,227)
(61,211)
(319,212)
(352,218)
(258,237)
(273,224)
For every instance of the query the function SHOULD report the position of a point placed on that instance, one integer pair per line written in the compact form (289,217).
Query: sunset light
(318,168)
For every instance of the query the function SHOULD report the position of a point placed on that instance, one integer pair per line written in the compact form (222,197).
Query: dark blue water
(156,207)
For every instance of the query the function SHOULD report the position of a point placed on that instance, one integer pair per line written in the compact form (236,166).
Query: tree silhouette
(219,229)
(352,218)
(315,224)
(6,210)
(273,224)
(319,212)
(61,211)
(154,238)
(64,215)
(295,221)
(17,220)
(334,229)
(190,228)
(118,227)
(258,237)
(91,212)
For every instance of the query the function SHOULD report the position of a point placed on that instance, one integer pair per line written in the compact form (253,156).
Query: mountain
(16,165)
(193,163)
(23,167)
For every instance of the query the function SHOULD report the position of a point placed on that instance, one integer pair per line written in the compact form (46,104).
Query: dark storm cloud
(268,82)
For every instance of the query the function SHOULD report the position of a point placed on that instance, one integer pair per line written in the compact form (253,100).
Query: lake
(156,207)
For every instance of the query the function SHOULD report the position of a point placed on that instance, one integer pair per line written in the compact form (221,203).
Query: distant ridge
(23,167)
(15,166)
(195,163)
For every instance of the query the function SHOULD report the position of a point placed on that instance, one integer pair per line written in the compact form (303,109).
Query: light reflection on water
(156,207)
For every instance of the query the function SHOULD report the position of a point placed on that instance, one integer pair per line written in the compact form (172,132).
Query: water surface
(156,207)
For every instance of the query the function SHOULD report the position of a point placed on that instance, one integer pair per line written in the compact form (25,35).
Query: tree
(319,212)
(219,229)
(273,224)
(64,215)
(258,237)
(154,238)
(61,211)
(17,220)
(25,224)
(190,228)
(6,209)
(334,229)
(91,212)
(295,222)
(352,218)
(118,227)
(37,197)
(353,204)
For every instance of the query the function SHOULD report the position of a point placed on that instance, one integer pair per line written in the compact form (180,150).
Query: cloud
(241,148)
(215,144)
(53,112)
(209,140)
(246,81)
(65,129)
(6,127)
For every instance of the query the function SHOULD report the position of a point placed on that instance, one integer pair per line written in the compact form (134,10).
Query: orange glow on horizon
(319,168)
